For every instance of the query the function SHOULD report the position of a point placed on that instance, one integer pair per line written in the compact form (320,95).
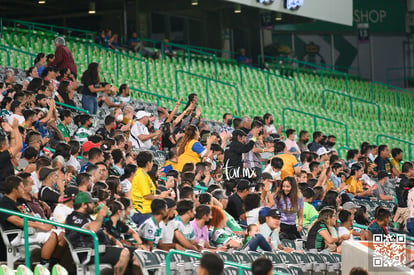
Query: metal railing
(26,218)
(351,99)
(360,226)
(397,91)
(268,75)
(342,148)
(315,122)
(7,49)
(407,72)
(46,27)
(240,267)
(408,143)
(207,80)
(72,107)
(134,91)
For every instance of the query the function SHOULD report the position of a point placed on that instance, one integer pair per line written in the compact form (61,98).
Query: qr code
(389,250)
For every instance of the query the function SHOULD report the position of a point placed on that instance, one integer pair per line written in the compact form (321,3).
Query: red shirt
(64,59)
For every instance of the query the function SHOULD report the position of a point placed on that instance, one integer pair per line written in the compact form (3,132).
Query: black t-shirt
(235,206)
(9,204)
(402,186)
(49,196)
(6,168)
(104,133)
(117,231)
(85,90)
(383,164)
(82,240)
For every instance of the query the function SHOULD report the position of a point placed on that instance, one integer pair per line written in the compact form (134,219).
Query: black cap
(274,213)
(70,193)
(170,202)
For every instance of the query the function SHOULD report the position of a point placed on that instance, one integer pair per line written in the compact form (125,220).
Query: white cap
(142,114)
(322,151)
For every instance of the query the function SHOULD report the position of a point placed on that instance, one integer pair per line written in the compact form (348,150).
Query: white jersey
(150,231)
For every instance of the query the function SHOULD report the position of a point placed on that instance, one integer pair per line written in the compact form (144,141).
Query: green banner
(383,16)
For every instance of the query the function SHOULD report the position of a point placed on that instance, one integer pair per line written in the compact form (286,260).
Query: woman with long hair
(320,235)
(354,184)
(40,62)
(289,201)
(91,86)
(361,216)
(190,149)
(65,93)
(331,199)
(224,237)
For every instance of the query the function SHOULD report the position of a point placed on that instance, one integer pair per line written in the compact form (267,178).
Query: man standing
(402,186)
(140,136)
(63,57)
(290,163)
(226,127)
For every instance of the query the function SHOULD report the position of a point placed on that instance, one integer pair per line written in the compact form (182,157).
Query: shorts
(401,215)
(38,237)
(110,256)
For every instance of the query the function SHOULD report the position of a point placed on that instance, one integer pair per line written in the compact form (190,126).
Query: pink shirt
(290,143)
(200,233)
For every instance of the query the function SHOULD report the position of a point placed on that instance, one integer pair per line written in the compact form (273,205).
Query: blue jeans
(259,241)
(139,218)
(90,103)
(410,226)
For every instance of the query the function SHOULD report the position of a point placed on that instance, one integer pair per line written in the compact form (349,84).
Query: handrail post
(207,94)
(268,84)
(283,118)
(346,135)
(314,123)
(26,242)
(147,74)
(238,100)
(350,106)
(167,264)
(215,67)
(323,99)
(379,114)
(176,84)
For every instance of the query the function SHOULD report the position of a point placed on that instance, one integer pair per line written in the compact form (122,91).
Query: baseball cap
(274,213)
(268,139)
(84,197)
(264,211)
(142,114)
(70,193)
(89,145)
(349,205)
(219,194)
(383,174)
(45,171)
(322,151)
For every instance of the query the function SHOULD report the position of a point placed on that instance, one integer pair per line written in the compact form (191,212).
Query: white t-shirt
(36,182)
(344,231)
(19,118)
(186,229)
(252,216)
(275,175)
(125,186)
(136,130)
(74,163)
(270,129)
(61,212)
(150,231)
(168,231)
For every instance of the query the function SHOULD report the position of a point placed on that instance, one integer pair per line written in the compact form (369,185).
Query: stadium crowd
(245,186)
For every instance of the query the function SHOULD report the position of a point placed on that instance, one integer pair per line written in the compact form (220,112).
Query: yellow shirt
(395,164)
(289,164)
(355,186)
(142,185)
(189,154)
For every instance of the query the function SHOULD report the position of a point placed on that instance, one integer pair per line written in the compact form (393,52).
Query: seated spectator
(83,132)
(31,203)
(236,201)
(118,257)
(252,207)
(379,192)
(320,236)
(355,185)
(140,136)
(150,231)
(221,236)
(361,216)
(40,63)
(47,192)
(210,264)
(65,207)
(262,266)
(13,188)
(274,168)
(200,224)
(270,228)
(65,119)
(123,94)
(65,94)
(167,48)
(378,226)
(345,230)
(382,160)
(242,58)
(397,156)
(309,211)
